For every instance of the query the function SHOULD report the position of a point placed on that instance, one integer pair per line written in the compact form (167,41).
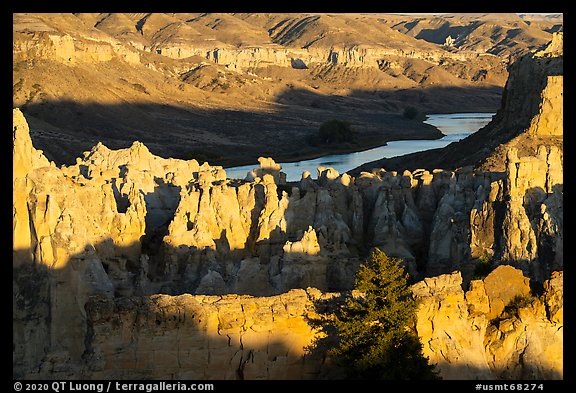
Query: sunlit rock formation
(201,337)
(126,223)
(497,329)
(127,260)
(63,48)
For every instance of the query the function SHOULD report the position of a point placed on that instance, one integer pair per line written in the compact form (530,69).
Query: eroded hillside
(129,265)
(221,87)
(531,114)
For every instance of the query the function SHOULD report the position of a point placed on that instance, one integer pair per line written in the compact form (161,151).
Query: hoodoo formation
(128,265)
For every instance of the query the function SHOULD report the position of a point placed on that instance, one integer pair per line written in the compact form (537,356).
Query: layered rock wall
(83,47)
(70,50)
(250,58)
(480,333)
(497,329)
(201,337)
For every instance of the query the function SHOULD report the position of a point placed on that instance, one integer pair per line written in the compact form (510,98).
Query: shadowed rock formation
(129,265)
(125,224)
(531,114)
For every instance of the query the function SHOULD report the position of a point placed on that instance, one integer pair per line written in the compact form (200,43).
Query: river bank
(454,127)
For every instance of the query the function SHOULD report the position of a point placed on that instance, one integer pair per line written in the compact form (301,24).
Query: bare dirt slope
(502,34)
(231,87)
(531,115)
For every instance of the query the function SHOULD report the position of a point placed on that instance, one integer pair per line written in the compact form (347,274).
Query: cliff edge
(531,114)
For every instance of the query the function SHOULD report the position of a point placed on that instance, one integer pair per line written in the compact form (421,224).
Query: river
(455,126)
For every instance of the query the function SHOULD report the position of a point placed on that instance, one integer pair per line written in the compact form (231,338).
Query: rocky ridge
(178,37)
(497,329)
(531,114)
(124,223)
(120,257)
(212,72)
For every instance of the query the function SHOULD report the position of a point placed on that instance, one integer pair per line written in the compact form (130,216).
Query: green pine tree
(374,341)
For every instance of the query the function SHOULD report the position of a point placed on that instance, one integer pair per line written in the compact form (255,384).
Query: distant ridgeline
(85,78)
(128,265)
(531,114)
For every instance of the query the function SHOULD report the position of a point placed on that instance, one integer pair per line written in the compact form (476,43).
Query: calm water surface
(455,126)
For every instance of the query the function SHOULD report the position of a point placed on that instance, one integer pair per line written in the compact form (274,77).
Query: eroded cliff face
(202,337)
(123,246)
(63,48)
(497,329)
(124,224)
(537,72)
(68,238)
(366,57)
(73,39)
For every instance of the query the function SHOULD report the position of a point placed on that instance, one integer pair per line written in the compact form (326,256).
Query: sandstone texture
(201,337)
(531,114)
(97,242)
(128,265)
(497,329)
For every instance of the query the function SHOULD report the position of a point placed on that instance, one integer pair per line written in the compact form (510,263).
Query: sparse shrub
(18,85)
(412,113)
(483,268)
(519,301)
(140,88)
(34,92)
(335,131)
(511,309)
